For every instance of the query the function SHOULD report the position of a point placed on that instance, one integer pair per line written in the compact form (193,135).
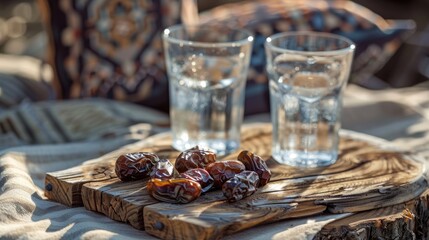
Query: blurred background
(24,80)
(21,30)
(22,33)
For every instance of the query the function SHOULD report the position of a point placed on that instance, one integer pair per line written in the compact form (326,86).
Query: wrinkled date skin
(200,176)
(223,170)
(163,170)
(134,166)
(194,158)
(255,163)
(240,186)
(178,190)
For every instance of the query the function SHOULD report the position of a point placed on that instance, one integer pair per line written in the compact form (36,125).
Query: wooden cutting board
(368,175)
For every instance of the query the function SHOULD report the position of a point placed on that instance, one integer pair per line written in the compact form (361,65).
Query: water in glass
(207,94)
(305,109)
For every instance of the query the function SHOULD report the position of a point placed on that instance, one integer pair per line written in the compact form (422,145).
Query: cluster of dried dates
(195,171)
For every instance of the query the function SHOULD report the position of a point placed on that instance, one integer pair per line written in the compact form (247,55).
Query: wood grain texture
(119,201)
(66,186)
(366,176)
(409,220)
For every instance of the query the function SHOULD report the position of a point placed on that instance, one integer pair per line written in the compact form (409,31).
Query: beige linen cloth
(401,116)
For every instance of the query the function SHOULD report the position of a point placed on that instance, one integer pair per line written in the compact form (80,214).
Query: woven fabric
(77,121)
(22,80)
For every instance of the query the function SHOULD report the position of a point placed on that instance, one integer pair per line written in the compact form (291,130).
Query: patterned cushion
(110,48)
(113,48)
(376,39)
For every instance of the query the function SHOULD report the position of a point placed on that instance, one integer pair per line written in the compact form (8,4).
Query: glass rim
(350,47)
(248,39)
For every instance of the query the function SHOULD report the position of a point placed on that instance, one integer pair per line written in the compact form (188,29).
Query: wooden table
(383,190)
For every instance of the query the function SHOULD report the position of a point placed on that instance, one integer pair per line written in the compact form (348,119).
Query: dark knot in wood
(158,225)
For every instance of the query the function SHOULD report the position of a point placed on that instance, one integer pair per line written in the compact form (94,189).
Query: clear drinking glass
(307,72)
(207,68)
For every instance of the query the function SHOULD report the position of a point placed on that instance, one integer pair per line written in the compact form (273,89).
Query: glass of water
(307,74)
(207,68)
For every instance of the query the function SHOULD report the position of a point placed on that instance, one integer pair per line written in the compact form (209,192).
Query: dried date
(255,163)
(240,186)
(179,190)
(133,166)
(223,170)
(163,170)
(194,158)
(200,176)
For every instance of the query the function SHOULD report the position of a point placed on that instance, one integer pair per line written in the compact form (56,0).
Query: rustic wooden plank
(402,221)
(346,191)
(211,219)
(66,186)
(106,195)
(119,201)
(365,177)
(60,192)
